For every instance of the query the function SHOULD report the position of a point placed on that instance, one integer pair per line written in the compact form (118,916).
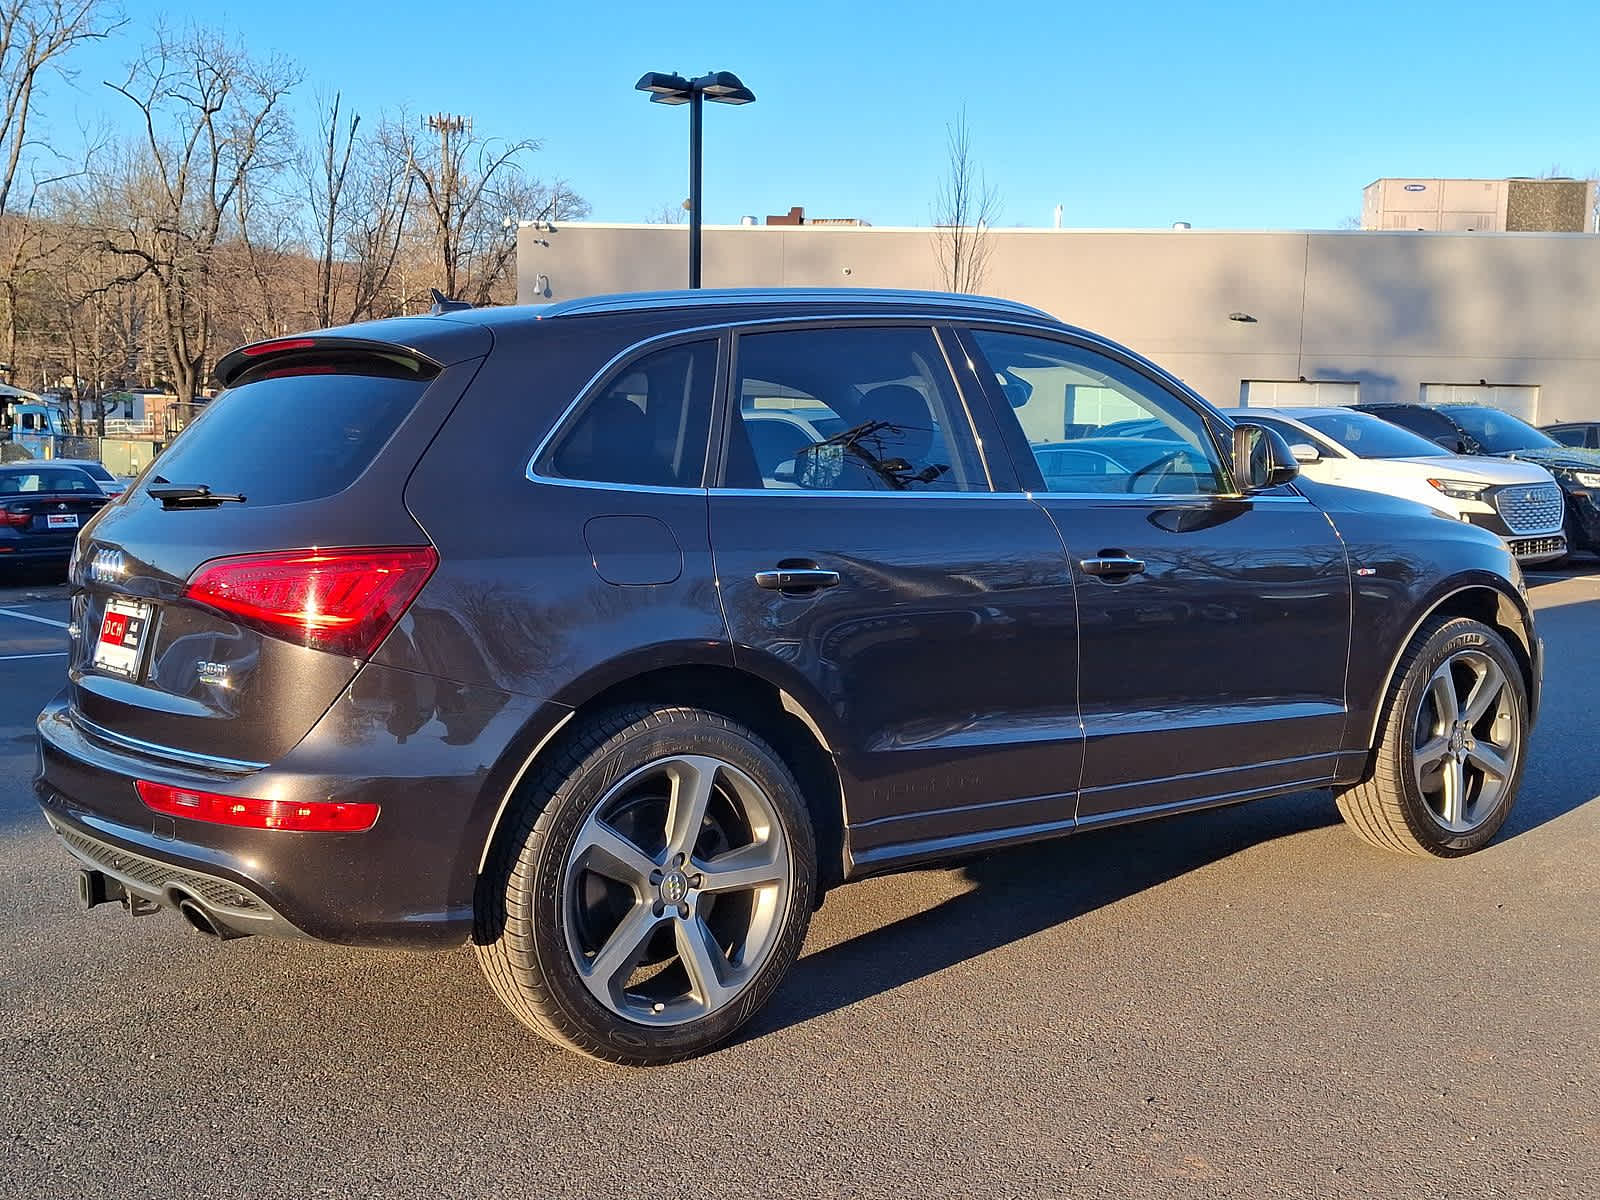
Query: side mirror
(1452,443)
(1261,458)
(1305,452)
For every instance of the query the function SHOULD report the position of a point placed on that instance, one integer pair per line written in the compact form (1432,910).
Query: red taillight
(16,519)
(278,347)
(345,601)
(322,816)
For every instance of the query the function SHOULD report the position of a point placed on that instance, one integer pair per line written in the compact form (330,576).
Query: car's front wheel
(655,886)
(1450,756)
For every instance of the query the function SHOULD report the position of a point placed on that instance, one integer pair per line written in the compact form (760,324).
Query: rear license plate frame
(124,631)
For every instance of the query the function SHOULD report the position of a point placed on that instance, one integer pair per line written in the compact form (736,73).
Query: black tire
(1390,808)
(524,906)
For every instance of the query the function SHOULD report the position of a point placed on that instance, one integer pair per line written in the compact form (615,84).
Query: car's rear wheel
(1450,756)
(654,886)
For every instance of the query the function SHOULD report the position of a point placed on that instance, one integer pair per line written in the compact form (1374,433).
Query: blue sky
(1236,115)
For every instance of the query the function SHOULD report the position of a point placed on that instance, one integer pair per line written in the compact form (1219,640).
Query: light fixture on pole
(720,87)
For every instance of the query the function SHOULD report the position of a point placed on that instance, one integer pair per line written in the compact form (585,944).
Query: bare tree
(965,208)
(473,192)
(359,190)
(668,214)
(326,180)
(36,37)
(213,118)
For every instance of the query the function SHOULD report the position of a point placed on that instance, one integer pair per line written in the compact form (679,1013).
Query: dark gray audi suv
(500,626)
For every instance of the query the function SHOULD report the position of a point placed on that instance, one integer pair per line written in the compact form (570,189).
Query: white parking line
(21,616)
(20,657)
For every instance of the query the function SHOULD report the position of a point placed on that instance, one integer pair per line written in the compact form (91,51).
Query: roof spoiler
(294,351)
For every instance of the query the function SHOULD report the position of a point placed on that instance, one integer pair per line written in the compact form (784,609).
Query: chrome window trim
(190,758)
(717,329)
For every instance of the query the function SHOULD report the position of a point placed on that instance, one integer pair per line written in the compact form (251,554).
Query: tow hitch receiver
(96,888)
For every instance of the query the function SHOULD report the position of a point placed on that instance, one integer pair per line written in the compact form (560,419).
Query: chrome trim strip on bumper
(185,758)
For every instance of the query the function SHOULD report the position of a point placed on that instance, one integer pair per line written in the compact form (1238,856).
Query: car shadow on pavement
(1021,892)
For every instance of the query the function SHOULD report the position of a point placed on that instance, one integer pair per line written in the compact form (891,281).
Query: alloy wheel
(1466,740)
(675,890)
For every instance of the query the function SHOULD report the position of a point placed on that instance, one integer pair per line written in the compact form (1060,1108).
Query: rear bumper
(230,904)
(408,881)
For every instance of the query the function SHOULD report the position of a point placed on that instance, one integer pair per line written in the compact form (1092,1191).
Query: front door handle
(1116,566)
(797,579)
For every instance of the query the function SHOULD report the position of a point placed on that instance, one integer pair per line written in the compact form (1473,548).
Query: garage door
(1519,401)
(1327,393)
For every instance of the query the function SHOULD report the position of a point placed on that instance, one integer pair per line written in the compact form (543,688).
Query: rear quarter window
(283,439)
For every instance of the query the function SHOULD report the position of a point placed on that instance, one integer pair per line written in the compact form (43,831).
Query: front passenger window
(1097,426)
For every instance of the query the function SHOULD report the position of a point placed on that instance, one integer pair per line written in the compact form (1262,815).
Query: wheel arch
(795,726)
(1489,599)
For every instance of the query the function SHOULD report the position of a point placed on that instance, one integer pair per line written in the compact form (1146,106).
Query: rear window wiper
(189,495)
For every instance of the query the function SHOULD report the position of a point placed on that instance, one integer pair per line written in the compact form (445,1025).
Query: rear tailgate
(318,440)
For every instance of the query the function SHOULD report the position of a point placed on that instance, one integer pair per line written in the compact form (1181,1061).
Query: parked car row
(1517,500)
(781,590)
(1479,430)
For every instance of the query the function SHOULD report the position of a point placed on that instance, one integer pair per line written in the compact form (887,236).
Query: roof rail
(629,301)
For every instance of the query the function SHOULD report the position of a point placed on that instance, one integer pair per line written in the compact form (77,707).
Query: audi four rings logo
(107,566)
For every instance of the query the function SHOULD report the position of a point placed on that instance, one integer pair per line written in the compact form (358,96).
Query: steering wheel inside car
(1160,470)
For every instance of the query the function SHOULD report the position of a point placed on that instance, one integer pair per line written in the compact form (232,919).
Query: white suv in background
(1518,500)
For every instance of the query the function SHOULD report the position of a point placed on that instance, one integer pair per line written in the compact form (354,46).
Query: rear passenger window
(849,410)
(647,425)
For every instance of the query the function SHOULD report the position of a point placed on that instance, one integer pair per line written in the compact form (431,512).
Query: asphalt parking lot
(1240,1003)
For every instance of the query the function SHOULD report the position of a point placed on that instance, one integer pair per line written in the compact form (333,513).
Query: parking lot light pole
(720,87)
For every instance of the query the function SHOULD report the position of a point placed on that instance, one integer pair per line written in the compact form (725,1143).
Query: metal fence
(125,456)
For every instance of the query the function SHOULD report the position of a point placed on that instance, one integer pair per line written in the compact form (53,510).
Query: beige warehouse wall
(1390,310)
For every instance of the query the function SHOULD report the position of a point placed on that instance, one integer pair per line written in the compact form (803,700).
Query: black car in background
(498,626)
(1478,429)
(42,507)
(1585,435)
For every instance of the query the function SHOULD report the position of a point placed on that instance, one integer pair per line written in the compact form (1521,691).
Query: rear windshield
(39,481)
(284,439)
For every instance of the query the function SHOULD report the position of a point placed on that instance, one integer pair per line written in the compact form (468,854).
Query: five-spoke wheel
(654,888)
(673,888)
(1466,740)
(1445,770)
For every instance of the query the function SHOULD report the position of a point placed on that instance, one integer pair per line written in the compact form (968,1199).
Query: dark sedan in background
(1478,429)
(42,507)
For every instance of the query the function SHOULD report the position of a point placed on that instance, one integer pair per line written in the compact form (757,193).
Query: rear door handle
(1116,565)
(797,579)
